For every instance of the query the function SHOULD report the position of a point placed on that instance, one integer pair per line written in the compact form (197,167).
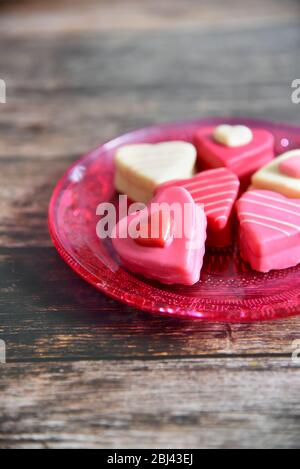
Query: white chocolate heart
(271,177)
(291,167)
(233,135)
(140,168)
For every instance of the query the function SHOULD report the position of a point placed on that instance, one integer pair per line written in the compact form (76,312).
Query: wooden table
(82,370)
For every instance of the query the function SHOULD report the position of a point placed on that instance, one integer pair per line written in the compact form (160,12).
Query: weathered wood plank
(77,98)
(163,404)
(26,186)
(69,16)
(48,313)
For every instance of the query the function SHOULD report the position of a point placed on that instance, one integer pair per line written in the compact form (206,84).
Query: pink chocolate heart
(180,260)
(269,230)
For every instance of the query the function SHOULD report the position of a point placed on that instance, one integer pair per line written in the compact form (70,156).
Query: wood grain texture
(66,95)
(68,16)
(171,404)
(48,313)
(77,77)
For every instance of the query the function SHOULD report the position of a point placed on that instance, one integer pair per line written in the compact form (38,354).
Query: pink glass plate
(228,291)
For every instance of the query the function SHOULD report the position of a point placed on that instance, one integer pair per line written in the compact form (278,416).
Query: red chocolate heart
(155,230)
(243,161)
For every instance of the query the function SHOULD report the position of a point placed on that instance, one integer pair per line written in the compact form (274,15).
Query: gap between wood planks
(285,357)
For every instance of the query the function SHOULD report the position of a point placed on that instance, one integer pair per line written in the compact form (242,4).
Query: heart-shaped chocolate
(281,175)
(180,259)
(291,166)
(242,160)
(269,230)
(217,190)
(141,168)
